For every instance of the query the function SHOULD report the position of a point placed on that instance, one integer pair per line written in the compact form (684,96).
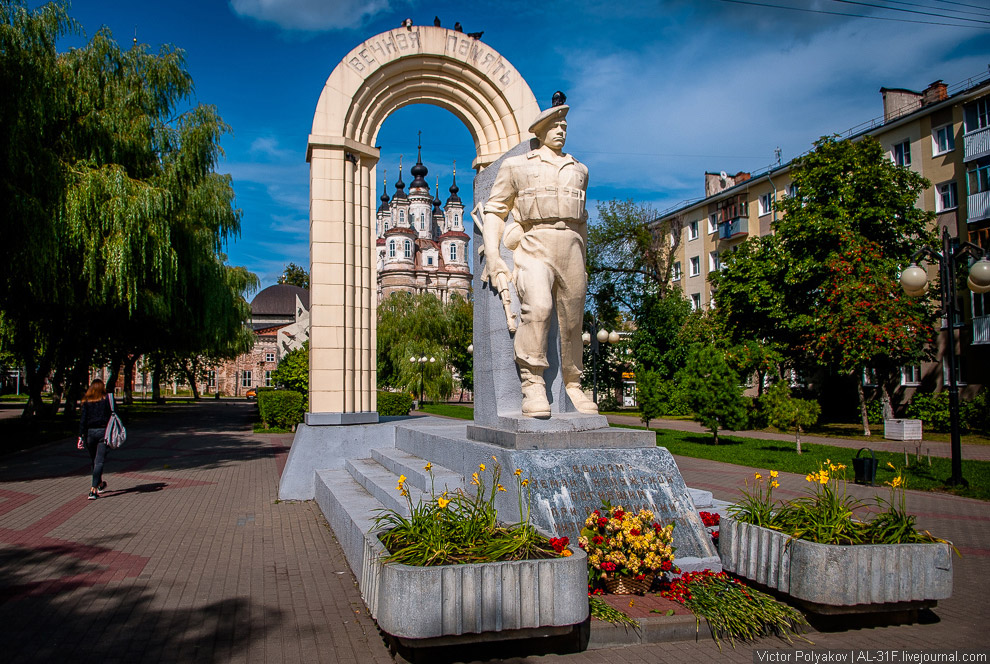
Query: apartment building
(943,134)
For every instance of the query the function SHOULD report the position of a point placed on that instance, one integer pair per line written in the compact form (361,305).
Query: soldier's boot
(578,398)
(534,394)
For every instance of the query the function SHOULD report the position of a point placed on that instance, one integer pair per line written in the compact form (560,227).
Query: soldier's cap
(552,114)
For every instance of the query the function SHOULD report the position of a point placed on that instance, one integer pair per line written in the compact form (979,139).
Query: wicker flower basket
(625,585)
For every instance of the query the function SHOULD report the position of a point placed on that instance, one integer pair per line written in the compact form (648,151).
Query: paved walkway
(190,558)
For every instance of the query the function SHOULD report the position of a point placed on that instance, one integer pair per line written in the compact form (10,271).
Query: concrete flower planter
(838,579)
(514,598)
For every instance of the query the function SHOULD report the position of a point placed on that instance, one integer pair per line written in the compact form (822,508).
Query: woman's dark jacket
(95,415)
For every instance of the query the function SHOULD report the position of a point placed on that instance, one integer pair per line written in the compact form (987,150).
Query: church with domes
(421,243)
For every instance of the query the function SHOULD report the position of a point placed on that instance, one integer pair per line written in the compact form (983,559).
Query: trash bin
(865,467)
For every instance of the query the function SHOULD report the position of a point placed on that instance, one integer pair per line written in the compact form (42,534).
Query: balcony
(981,330)
(978,206)
(976,144)
(733,229)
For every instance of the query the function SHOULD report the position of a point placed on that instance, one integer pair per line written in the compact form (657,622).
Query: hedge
(394,403)
(283,409)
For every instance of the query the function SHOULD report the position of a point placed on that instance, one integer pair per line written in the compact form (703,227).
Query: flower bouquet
(626,550)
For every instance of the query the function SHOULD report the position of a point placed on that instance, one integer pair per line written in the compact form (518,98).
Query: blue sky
(659,91)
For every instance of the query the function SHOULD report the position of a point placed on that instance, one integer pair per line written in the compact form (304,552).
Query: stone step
(350,510)
(381,483)
(401,462)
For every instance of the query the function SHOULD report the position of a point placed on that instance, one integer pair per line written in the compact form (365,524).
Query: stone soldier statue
(545,191)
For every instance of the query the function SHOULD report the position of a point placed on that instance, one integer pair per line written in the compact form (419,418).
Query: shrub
(932,408)
(281,408)
(975,414)
(394,403)
(607,403)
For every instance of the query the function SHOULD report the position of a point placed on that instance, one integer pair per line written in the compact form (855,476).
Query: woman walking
(96,411)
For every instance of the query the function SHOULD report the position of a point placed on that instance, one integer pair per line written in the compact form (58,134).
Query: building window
(693,230)
(945,197)
(979,179)
(453,251)
(673,239)
(422,221)
(713,263)
(391,248)
(766,203)
(677,271)
(457,220)
(269,357)
(869,377)
(695,301)
(977,116)
(212,379)
(694,268)
(911,375)
(429,260)
(713,223)
(245,379)
(902,153)
(792,190)
(945,372)
(943,140)
(402,217)
(386,224)
(268,378)
(408,249)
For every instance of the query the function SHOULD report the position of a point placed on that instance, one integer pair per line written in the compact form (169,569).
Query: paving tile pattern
(190,558)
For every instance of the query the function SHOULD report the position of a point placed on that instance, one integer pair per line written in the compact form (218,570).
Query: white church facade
(421,243)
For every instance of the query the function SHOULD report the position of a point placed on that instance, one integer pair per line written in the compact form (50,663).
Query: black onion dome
(384,197)
(436,198)
(419,172)
(454,198)
(399,186)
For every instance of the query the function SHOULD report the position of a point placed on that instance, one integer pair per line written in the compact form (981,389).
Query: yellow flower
(401,488)
(402,479)
(823,478)
(567,553)
(474,479)
(428,466)
(891,466)
(501,488)
(896,482)
(442,502)
(493,458)
(811,477)
(758,476)
(773,474)
(518,472)
(525,482)
(774,484)
(482,467)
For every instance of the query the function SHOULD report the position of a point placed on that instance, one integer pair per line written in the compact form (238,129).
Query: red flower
(619,514)
(635,532)
(665,566)
(608,566)
(597,539)
(602,522)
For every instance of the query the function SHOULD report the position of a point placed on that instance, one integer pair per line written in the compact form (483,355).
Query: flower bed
(814,550)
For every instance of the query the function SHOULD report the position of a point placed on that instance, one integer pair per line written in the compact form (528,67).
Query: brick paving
(190,558)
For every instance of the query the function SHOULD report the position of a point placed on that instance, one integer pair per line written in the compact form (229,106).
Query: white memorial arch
(415,65)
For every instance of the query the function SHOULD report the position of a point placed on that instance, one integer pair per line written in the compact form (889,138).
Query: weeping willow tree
(114,217)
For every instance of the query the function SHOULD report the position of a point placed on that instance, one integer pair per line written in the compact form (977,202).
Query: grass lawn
(780,455)
(448,410)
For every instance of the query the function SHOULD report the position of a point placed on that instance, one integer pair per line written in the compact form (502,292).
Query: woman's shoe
(102,487)
(93,495)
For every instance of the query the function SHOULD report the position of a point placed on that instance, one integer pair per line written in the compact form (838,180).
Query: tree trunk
(156,386)
(715,434)
(797,439)
(35,381)
(862,406)
(189,369)
(112,378)
(886,408)
(129,362)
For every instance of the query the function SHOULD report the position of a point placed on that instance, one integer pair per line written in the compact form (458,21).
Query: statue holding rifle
(545,191)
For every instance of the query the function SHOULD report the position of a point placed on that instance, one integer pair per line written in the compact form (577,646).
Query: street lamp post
(421,361)
(914,281)
(595,338)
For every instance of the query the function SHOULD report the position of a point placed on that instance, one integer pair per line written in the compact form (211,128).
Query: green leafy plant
(604,611)
(756,507)
(788,413)
(732,609)
(293,370)
(932,408)
(713,390)
(281,408)
(456,527)
(394,403)
(894,524)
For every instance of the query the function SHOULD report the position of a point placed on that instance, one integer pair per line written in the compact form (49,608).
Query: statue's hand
(498,272)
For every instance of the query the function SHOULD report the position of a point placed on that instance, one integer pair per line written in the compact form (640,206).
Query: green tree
(649,396)
(116,216)
(713,390)
(293,370)
(788,413)
(295,276)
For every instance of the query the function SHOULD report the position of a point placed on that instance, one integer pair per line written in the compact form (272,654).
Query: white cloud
(716,101)
(310,15)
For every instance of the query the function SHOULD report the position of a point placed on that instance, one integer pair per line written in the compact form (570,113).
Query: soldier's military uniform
(546,195)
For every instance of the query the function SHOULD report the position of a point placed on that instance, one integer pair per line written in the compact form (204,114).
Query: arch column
(342,362)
